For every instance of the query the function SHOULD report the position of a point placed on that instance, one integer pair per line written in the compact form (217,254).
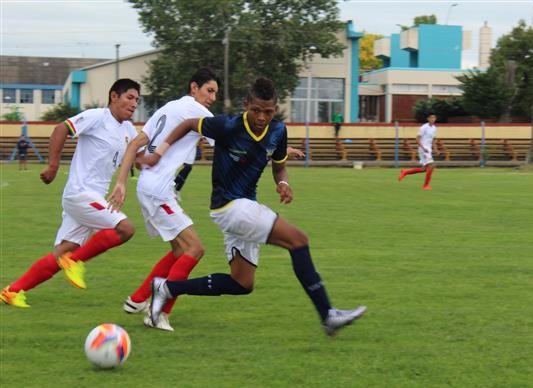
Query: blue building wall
(439,46)
(78,77)
(354,85)
(398,57)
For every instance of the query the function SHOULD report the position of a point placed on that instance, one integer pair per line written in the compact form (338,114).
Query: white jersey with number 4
(102,141)
(427,133)
(158,181)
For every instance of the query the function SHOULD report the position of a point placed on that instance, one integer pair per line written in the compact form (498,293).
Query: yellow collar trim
(249,130)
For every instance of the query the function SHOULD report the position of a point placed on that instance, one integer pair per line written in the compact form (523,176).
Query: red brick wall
(402,106)
(381,109)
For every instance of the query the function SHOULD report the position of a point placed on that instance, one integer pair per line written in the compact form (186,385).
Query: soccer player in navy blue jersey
(244,145)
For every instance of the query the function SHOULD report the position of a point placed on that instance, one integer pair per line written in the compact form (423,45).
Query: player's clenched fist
(49,174)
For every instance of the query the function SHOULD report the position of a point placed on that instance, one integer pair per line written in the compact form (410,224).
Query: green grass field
(446,275)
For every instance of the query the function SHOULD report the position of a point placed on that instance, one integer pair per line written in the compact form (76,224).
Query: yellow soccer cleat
(17,299)
(74,270)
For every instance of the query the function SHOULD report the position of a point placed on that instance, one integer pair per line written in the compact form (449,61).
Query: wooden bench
(7,144)
(320,149)
(495,149)
(386,149)
(360,149)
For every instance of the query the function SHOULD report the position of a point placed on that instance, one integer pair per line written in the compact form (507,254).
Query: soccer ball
(107,345)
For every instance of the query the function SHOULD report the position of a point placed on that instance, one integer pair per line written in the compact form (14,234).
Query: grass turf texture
(446,275)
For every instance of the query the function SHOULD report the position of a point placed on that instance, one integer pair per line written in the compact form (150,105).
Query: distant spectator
(337,119)
(22,147)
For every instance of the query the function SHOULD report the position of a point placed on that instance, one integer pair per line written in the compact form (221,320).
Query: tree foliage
(14,114)
(59,112)
(484,93)
(367,59)
(271,38)
(506,88)
(513,59)
(424,19)
(443,108)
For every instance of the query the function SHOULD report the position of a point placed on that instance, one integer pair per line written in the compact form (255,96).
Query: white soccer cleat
(160,295)
(132,307)
(163,323)
(337,319)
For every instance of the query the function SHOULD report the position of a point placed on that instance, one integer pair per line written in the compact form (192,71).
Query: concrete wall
(339,67)
(492,131)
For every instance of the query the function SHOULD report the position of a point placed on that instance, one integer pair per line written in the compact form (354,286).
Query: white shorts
(84,213)
(245,224)
(163,218)
(424,157)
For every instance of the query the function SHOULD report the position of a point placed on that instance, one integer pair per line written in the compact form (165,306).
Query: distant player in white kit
(103,135)
(155,190)
(426,143)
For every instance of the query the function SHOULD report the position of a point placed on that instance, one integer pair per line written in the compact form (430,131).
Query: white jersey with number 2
(158,181)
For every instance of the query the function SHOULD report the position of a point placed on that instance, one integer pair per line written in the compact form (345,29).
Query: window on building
(369,108)
(326,98)
(409,88)
(445,89)
(26,96)
(9,96)
(48,96)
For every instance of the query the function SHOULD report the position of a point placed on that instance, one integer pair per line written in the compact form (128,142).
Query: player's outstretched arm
(176,134)
(57,142)
(281,178)
(118,195)
(294,153)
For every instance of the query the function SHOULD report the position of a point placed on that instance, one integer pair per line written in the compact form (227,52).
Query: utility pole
(225,42)
(117,46)
(529,156)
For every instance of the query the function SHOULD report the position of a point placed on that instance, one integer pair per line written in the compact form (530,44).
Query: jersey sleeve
(422,130)
(83,122)
(213,127)
(280,154)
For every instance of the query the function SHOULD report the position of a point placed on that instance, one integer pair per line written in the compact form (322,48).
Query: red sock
(179,271)
(161,269)
(100,242)
(40,271)
(415,170)
(429,172)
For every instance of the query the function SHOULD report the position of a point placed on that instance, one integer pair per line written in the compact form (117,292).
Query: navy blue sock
(304,269)
(211,285)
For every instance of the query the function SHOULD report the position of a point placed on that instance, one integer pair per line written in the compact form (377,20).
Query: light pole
(117,46)
(450,11)
(225,42)
(312,49)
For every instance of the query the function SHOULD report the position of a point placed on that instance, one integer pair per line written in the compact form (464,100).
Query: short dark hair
(122,86)
(263,89)
(201,76)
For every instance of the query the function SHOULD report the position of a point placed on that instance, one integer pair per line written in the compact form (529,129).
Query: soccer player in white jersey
(103,135)
(155,190)
(426,143)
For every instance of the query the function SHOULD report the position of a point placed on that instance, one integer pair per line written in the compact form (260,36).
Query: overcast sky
(92,28)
